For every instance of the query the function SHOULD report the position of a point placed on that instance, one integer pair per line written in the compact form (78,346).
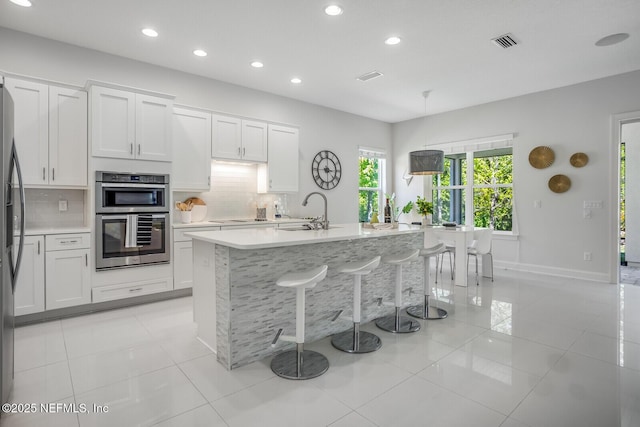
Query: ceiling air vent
(368,76)
(504,41)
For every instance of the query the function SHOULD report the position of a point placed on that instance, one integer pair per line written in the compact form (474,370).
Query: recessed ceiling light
(150,32)
(23,3)
(333,10)
(393,40)
(612,39)
(296,80)
(257,64)
(199,52)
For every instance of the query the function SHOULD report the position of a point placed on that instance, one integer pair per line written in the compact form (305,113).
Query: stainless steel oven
(132,219)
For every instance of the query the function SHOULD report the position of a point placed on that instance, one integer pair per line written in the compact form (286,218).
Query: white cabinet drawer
(179,234)
(128,290)
(59,242)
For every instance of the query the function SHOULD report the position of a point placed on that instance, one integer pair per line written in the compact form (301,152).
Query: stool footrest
(337,315)
(277,337)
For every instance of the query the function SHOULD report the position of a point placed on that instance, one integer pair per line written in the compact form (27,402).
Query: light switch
(587,213)
(537,203)
(593,204)
(62,205)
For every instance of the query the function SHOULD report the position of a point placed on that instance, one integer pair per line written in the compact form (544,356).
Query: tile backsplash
(234,194)
(42,208)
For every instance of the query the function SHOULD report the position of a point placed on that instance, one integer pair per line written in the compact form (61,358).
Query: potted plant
(424,208)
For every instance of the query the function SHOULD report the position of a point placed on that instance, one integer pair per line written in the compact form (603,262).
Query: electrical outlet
(587,256)
(62,205)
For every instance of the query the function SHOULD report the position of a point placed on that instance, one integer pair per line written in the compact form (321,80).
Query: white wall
(576,118)
(320,127)
(631,137)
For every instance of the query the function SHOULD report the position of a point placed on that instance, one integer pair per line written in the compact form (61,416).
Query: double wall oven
(132,219)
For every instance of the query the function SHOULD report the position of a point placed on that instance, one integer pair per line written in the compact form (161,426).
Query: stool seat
(306,279)
(359,267)
(405,257)
(356,341)
(433,250)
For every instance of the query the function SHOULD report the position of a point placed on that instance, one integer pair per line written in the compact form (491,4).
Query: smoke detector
(368,76)
(504,41)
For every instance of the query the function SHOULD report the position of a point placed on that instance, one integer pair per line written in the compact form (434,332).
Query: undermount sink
(301,228)
(227,221)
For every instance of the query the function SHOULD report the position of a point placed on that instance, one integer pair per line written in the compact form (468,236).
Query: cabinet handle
(38,247)
(138,149)
(131,148)
(135,289)
(239,152)
(209,181)
(44,170)
(86,260)
(67,242)
(53,174)
(244,151)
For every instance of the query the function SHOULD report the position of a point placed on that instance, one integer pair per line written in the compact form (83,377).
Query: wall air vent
(504,41)
(368,76)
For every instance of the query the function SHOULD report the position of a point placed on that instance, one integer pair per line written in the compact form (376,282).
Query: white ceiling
(446,45)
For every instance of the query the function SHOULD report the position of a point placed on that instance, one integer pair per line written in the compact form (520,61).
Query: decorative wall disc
(559,183)
(578,160)
(541,157)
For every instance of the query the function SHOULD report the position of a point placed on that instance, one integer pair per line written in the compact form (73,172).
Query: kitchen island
(238,307)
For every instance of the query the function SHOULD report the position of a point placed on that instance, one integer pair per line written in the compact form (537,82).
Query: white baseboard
(553,271)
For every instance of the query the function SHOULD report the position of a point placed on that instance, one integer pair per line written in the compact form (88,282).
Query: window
(371,183)
(489,182)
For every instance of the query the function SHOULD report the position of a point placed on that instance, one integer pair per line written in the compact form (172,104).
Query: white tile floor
(523,351)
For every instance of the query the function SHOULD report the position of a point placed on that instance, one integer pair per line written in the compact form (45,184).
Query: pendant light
(426,162)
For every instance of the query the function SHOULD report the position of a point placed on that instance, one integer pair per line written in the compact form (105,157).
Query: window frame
(380,155)
(466,150)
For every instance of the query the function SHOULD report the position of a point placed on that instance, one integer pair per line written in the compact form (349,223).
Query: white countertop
(259,238)
(240,222)
(46,231)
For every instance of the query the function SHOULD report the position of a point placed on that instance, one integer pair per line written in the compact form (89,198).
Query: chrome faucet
(325,219)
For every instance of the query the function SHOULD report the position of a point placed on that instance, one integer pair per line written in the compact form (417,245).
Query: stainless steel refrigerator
(12,229)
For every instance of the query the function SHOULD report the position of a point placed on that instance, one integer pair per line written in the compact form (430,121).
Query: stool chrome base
(426,312)
(303,365)
(397,324)
(356,341)
(432,313)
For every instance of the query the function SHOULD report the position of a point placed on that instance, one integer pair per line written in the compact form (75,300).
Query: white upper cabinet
(237,139)
(226,134)
(50,133)
(67,136)
(127,125)
(191,144)
(280,174)
(254,141)
(113,117)
(153,128)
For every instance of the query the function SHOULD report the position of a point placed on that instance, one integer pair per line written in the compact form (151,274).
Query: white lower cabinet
(29,297)
(183,256)
(67,271)
(183,265)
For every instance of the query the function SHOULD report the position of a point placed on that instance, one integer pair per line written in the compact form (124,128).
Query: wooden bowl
(559,183)
(541,157)
(578,160)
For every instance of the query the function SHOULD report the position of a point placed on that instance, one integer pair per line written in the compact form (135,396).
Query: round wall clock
(326,170)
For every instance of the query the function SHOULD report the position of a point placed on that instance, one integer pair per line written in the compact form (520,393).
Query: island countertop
(260,238)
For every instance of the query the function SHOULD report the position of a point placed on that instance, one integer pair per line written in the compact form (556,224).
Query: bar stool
(355,341)
(299,364)
(422,311)
(396,323)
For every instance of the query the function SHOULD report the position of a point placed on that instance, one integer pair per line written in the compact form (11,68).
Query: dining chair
(481,245)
